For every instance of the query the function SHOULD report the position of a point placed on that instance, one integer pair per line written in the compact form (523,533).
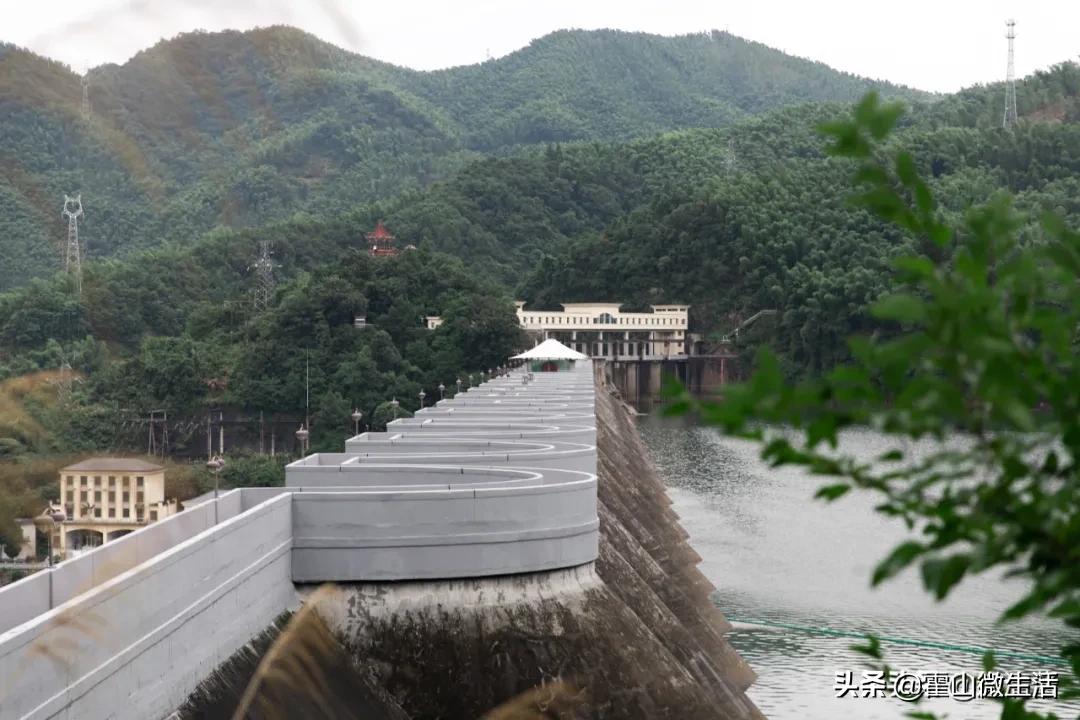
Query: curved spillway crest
(501,480)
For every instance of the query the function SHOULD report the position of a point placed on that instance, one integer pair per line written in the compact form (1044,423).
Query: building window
(126,480)
(70,496)
(127,513)
(97,512)
(112,481)
(82,479)
(139,481)
(112,496)
(127,496)
(82,496)
(97,481)
(71,479)
(153,515)
(139,497)
(97,496)
(112,512)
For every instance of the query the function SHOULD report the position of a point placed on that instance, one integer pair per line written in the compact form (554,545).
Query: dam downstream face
(780,558)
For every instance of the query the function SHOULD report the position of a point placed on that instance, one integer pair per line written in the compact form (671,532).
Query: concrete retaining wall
(136,645)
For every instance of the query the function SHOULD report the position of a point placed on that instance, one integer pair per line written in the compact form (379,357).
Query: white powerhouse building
(602,330)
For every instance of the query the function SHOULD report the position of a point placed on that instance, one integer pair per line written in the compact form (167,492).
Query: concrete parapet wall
(38,593)
(572,433)
(137,644)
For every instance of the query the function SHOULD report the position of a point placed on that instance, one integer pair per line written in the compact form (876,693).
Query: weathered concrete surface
(456,649)
(338,689)
(641,533)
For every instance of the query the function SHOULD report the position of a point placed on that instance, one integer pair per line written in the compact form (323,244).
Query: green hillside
(734,219)
(731,219)
(239,129)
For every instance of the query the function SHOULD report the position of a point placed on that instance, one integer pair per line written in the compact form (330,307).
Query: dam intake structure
(513,536)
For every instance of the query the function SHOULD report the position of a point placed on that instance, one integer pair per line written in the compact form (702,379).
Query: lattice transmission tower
(73,254)
(86,98)
(264,276)
(157,442)
(1010,79)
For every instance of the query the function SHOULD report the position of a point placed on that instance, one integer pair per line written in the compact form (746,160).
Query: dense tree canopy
(239,129)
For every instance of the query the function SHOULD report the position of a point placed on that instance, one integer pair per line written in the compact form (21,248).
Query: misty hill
(240,128)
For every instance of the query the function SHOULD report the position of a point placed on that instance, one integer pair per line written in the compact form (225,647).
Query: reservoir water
(793,574)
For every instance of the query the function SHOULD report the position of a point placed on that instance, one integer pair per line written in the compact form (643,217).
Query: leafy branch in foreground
(978,352)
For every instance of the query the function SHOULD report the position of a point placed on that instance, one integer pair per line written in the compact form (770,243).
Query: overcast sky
(930,44)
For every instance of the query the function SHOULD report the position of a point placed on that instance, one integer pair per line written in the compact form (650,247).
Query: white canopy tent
(551,350)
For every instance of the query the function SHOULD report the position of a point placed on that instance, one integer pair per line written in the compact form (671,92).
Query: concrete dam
(515,536)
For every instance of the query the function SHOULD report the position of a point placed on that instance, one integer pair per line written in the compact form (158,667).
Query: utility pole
(73,254)
(1009,120)
(210,434)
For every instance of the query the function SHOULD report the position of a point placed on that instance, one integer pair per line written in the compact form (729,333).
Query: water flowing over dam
(511,537)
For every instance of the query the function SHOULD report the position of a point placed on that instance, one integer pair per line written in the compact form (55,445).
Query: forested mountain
(588,166)
(239,129)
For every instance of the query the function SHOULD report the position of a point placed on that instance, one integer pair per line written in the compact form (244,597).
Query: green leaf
(916,266)
(905,169)
(1018,413)
(897,560)
(940,575)
(832,492)
(872,648)
(900,307)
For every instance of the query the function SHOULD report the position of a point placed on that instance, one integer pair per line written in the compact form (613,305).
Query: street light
(56,516)
(356,417)
(422,395)
(302,435)
(458,385)
(442,392)
(214,465)
(394,404)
